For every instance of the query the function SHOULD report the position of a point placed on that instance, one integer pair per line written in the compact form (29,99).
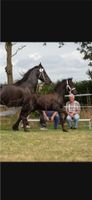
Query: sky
(59,63)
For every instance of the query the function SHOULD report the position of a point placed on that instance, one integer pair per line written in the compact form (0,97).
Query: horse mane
(25,76)
(58,84)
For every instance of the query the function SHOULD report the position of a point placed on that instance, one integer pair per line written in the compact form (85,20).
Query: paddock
(51,145)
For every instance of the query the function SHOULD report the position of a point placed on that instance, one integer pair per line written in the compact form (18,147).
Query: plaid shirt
(72,107)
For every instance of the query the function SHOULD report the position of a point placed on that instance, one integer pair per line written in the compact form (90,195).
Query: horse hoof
(15,128)
(26,130)
(65,130)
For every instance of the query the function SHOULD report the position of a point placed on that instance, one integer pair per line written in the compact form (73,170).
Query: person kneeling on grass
(73,111)
(52,116)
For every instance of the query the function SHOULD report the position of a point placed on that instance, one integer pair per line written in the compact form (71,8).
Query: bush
(84,87)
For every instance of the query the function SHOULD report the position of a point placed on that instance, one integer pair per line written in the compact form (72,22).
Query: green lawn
(50,145)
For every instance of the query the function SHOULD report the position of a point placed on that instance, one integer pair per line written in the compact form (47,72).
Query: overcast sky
(59,63)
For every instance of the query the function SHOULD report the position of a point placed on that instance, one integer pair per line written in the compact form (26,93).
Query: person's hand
(52,118)
(47,119)
(71,114)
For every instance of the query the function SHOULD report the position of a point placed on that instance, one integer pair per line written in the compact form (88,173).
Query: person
(73,111)
(52,116)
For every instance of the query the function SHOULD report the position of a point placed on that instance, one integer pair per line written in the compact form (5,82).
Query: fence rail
(80,95)
(13,110)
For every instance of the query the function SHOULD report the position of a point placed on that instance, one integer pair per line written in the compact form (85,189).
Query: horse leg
(65,113)
(26,110)
(24,121)
(62,121)
(42,120)
(15,127)
(22,117)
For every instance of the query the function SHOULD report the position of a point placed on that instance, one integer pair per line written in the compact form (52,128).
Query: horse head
(70,88)
(33,75)
(65,86)
(42,75)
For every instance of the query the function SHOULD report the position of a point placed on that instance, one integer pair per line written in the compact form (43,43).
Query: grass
(50,145)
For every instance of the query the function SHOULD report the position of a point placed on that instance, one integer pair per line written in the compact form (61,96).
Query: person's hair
(71,95)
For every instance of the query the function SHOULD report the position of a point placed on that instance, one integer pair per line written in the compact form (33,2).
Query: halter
(41,73)
(68,87)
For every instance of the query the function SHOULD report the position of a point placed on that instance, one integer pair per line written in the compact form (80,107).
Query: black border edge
(46,21)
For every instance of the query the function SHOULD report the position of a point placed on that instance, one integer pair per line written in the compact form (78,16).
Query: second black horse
(52,101)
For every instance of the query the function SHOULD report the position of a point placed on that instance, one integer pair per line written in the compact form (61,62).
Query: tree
(8,68)
(89,73)
(86,49)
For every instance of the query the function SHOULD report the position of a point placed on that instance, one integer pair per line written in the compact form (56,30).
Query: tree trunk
(8,47)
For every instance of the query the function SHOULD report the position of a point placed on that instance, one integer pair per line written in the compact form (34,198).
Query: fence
(85,114)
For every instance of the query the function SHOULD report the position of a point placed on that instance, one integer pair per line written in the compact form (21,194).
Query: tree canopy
(86,49)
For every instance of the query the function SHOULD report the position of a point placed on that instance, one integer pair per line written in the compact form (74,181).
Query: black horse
(52,101)
(15,94)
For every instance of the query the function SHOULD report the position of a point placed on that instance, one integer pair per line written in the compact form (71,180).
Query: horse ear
(40,64)
(70,78)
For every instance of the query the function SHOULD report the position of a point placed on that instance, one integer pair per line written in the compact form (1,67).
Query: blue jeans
(49,114)
(75,118)
(56,118)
